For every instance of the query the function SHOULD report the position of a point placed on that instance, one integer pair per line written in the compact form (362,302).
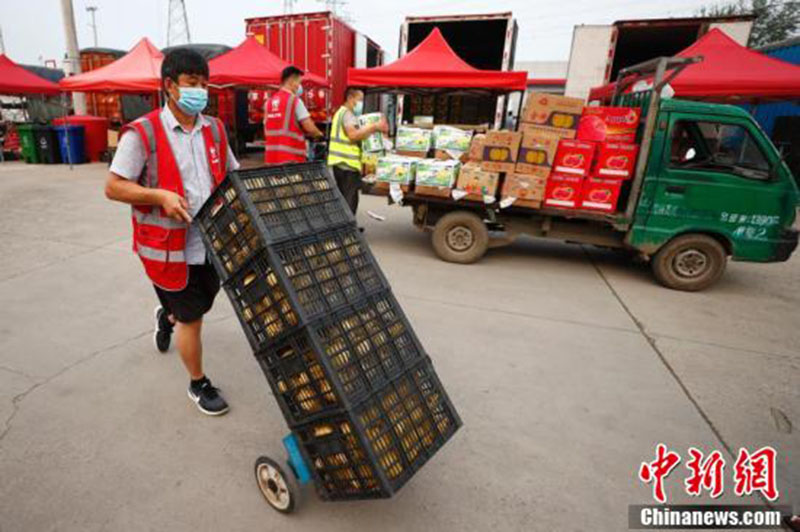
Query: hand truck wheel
(280,489)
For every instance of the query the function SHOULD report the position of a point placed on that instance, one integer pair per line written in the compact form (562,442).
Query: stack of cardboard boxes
(563,155)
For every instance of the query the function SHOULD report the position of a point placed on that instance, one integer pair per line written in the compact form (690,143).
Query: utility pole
(92,10)
(288,6)
(73,60)
(177,23)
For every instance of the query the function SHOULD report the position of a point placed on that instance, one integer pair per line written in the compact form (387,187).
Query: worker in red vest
(287,121)
(166,165)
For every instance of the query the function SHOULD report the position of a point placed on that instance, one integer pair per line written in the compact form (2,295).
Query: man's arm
(121,184)
(311,129)
(356,134)
(126,191)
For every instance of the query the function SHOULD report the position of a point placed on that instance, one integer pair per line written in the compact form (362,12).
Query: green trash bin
(27,143)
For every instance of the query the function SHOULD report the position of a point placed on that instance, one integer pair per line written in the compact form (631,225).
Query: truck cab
(714,186)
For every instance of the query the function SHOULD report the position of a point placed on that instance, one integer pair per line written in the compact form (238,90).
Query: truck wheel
(461,237)
(690,262)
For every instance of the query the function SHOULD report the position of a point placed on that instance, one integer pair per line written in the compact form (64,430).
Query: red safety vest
(159,240)
(284,141)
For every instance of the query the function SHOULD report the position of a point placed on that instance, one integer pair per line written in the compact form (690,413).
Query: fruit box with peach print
(615,159)
(563,191)
(574,157)
(600,194)
(609,124)
(552,110)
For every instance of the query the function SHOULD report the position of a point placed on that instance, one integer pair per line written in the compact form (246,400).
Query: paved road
(567,365)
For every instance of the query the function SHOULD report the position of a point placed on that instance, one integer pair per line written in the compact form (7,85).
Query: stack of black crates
(354,384)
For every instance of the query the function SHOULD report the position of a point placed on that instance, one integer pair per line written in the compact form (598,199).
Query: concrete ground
(567,365)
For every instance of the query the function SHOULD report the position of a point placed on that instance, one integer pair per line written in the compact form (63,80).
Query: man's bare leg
(201,391)
(190,346)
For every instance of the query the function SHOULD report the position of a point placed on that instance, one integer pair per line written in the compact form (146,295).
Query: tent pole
(66,129)
(519,109)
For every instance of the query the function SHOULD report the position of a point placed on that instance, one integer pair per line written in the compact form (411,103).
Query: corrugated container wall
(316,42)
(766,114)
(108,105)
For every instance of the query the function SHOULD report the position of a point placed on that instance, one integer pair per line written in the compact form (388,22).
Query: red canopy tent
(729,72)
(137,71)
(252,65)
(16,80)
(434,65)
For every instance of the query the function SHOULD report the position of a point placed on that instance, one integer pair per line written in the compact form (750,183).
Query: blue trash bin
(73,151)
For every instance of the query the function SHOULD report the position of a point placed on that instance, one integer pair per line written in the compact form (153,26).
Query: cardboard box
(413,139)
(451,138)
(574,157)
(552,110)
(537,152)
(477,182)
(369,161)
(476,147)
(524,190)
(500,151)
(451,155)
(374,142)
(423,120)
(615,159)
(436,173)
(529,129)
(609,124)
(394,169)
(411,154)
(563,191)
(600,194)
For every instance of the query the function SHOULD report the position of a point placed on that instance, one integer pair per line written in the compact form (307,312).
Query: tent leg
(519,110)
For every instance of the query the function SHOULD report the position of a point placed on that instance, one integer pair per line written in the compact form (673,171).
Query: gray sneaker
(207,398)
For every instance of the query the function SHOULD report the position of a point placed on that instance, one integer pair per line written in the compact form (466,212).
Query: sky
(33,30)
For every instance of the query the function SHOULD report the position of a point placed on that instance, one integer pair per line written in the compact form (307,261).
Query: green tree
(776,20)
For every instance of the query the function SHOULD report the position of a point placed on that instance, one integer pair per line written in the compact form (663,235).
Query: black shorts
(192,302)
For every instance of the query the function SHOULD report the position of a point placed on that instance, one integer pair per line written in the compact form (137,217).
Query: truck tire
(690,262)
(460,237)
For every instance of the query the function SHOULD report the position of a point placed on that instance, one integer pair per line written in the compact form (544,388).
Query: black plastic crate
(228,230)
(372,450)
(267,205)
(329,269)
(293,283)
(337,361)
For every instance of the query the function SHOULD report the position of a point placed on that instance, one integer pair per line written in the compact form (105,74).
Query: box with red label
(500,150)
(537,152)
(609,124)
(563,191)
(574,157)
(600,194)
(552,110)
(615,159)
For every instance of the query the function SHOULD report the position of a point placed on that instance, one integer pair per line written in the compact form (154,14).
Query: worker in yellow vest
(344,150)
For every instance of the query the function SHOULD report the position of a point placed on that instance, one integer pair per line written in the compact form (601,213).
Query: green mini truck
(708,186)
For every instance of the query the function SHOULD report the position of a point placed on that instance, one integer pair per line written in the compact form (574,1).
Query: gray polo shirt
(190,155)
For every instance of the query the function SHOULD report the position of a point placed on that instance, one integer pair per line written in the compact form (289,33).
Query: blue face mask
(299,90)
(358,108)
(193,100)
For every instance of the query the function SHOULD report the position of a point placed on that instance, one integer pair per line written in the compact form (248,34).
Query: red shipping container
(609,124)
(600,194)
(563,191)
(315,42)
(574,157)
(615,159)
